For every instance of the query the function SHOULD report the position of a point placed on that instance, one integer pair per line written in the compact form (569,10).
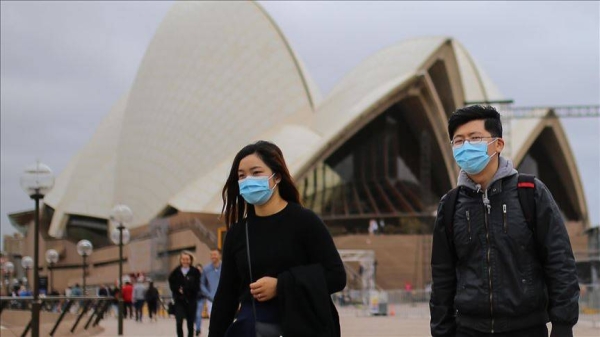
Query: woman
(184,282)
(295,264)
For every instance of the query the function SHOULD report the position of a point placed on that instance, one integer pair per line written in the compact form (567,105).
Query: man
(493,274)
(139,297)
(210,278)
(76,291)
(184,283)
(200,304)
(103,292)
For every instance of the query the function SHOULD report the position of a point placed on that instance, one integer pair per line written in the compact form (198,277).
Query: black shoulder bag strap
(262,329)
(250,270)
(448,210)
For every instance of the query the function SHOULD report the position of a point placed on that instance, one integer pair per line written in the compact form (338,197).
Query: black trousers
(187,311)
(536,331)
(128,312)
(152,306)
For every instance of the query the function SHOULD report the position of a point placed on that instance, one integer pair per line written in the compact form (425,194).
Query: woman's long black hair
(234,206)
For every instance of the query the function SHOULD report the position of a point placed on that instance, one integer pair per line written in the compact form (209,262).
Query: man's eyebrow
(470,134)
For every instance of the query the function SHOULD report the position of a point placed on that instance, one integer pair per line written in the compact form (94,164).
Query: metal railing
(79,306)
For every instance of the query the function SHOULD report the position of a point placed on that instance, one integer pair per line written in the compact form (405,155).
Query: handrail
(60,318)
(53,298)
(99,304)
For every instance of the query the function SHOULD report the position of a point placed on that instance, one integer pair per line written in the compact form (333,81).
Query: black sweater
(293,237)
(190,284)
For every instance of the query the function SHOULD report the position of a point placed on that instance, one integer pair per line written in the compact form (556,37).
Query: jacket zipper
(469,224)
(488,209)
(504,218)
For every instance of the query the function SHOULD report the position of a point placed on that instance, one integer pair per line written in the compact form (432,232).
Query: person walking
(115,294)
(102,292)
(201,300)
(184,282)
(502,263)
(278,257)
(152,301)
(128,300)
(76,291)
(210,279)
(139,297)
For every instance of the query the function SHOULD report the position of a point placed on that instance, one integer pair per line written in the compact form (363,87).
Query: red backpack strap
(526,190)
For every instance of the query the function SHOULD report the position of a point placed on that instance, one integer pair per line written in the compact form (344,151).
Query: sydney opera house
(217,76)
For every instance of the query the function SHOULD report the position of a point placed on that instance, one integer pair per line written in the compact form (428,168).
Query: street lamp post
(37,180)
(84,248)
(121,215)
(9,268)
(52,259)
(27,263)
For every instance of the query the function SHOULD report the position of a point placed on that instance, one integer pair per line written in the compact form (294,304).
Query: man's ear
(499,145)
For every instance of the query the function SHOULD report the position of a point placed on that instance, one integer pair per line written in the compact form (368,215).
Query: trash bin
(378,303)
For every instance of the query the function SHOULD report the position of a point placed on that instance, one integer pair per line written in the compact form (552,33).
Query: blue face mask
(472,158)
(255,190)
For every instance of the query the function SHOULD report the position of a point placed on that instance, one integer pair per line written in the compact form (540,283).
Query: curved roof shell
(544,141)
(214,74)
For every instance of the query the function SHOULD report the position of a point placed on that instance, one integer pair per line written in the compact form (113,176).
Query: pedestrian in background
(210,279)
(139,297)
(152,301)
(201,300)
(184,282)
(128,299)
(102,292)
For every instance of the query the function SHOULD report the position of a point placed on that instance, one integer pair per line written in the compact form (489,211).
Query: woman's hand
(264,289)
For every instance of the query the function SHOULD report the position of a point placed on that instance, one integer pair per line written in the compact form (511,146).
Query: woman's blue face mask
(473,158)
(255,190)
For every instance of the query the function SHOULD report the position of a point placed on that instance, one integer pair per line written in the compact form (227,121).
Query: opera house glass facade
(388,170)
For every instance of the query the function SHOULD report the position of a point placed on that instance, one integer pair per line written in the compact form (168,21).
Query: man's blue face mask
(255,190)
(473,158)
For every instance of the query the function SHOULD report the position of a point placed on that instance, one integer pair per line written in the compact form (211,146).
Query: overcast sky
(64,64)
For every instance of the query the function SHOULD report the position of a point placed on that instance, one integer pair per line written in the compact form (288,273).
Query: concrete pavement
(408,321)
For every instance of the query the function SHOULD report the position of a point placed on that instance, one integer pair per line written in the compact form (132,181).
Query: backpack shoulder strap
(526,190)
(448,209)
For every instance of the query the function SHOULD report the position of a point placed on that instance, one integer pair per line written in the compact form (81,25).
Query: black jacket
(190,283)
(495,274)
(152,294)
(306,306)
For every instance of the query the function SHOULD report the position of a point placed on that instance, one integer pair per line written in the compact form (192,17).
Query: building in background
(218,76)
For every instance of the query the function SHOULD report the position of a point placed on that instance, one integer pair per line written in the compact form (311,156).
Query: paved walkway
(407,322)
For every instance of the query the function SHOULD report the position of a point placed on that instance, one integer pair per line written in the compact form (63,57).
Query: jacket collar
(505,169)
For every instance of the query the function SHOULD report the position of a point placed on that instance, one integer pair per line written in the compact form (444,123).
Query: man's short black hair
(489,114)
